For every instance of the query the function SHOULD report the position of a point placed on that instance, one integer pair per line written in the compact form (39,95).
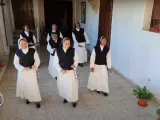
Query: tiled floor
(119,105)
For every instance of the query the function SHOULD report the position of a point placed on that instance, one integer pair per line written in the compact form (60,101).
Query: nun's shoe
(38,105)
(74,105)
(65,101)
(98,91)
(105,94)
(80,64)
(27,102)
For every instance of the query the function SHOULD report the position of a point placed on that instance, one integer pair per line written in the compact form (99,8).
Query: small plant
(143,94)
(2,62)
(158,113)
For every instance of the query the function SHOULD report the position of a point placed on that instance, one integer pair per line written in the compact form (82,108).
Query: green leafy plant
(143,93)
(158,112)
(1,60)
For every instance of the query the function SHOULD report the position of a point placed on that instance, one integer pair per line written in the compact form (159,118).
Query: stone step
(15,41)
(20,31)
(16,35)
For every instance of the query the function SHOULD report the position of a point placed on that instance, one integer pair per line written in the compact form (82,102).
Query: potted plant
(143,95)
(1,63)
(158,113)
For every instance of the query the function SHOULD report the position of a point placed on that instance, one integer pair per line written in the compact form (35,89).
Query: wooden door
(105,18)
(23,13)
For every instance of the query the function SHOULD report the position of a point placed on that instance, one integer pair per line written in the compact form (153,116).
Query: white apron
(98,80)
(81,52)
(52,70)
(27,86)
(68,86)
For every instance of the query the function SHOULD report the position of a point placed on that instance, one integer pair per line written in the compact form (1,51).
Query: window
(155,18)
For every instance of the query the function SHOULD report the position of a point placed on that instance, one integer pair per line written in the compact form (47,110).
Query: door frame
(111,15)
(34,15)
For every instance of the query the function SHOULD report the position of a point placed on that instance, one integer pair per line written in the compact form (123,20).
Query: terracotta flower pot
(142,102)
(159,117)
(1,65)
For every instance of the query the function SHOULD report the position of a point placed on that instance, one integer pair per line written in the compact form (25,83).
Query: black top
(54,44)
(26,60)
(28,38)
(66,60)
(100,58)
(79,35)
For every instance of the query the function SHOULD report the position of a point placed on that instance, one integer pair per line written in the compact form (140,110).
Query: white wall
(91,25)
(135,52)
(148,8)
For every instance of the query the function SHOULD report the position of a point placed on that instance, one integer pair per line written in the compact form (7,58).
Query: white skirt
(68,86)
(52,70)
(81,52)
(98,80)
(27,86)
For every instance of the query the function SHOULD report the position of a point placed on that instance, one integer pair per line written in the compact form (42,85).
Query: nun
(66,62)
(100,65)
(54,30)
(26,61)
(29,36)
(80,39)
(53,44)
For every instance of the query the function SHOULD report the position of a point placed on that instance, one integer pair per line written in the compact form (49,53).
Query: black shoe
(105,94)
(65,101)
(27,102)
(55,78)
(80,64)
(98,91)
(74,105)
(38,105)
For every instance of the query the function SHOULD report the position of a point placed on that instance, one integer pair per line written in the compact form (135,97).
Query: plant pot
(2,65)
(159,117)
(142,102)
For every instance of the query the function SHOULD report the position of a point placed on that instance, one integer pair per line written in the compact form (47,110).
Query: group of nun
(63,62)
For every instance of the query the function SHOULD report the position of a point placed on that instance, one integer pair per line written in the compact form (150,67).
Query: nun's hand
(73,66)
(54,49)
(80,46)
(64,71)
(26,69)
(109,70)
(34,67)
(92,69)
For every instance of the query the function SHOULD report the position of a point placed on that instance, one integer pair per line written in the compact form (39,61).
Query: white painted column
(2,30)
(8,22)
(36,18)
